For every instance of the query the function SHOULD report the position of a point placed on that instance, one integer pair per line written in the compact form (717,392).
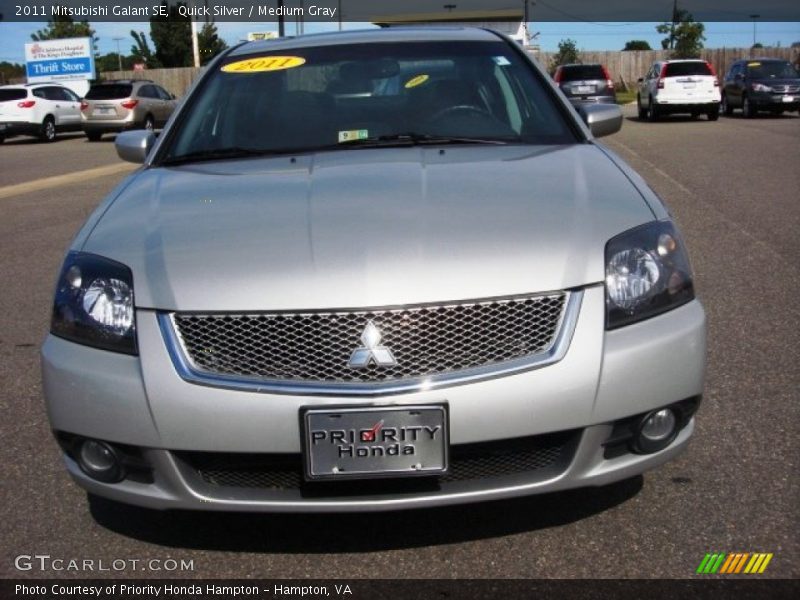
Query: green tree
(209,42)
(172,38)
(61,26)
(567,54)
(9,71)
(684,35)
(141,52)
(757,45)
(636,45)
(110,62)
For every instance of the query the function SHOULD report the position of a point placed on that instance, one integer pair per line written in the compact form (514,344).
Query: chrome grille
(424,340)
(790,89)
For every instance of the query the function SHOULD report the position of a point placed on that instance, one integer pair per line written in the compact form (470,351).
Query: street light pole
(119,56)
(754,17)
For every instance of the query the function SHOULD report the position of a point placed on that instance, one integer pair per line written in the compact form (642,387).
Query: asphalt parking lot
(733,186)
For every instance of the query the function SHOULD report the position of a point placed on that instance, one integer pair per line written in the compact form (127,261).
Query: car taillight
(26,103)
(129,104)
(557,76)
(713,73)
(609,81)
(84,105)
(661,76)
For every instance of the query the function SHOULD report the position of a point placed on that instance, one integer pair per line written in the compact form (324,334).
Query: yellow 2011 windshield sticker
(415,81)
(754,64)
(264,63)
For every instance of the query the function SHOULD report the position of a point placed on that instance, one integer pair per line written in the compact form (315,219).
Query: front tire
(748,110)
(48,130)
(725,107)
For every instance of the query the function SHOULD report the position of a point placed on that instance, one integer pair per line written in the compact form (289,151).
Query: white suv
(38,109)
(679,86)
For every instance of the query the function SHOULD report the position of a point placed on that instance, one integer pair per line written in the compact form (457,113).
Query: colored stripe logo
(734,563)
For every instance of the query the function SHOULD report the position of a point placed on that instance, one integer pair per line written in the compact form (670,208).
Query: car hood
(368,227)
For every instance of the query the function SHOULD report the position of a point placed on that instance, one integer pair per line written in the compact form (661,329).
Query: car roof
(365,36)
(765,59)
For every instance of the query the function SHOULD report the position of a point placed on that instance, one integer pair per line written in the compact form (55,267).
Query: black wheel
(652,111)
(725,107)
(748,110)
(713,114)
(48,130)
(642,111)
(149,123)
(94,136)
(2,139)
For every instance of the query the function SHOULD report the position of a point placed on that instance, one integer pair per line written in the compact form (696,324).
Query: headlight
(647,273)
(760,87)
(94,303)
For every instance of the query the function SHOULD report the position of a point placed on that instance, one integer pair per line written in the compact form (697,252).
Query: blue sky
(600,36)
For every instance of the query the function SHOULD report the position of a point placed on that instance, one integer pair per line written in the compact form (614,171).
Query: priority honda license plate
(372,442)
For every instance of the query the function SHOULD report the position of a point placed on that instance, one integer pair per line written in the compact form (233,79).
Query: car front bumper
(604,378)
(767,100)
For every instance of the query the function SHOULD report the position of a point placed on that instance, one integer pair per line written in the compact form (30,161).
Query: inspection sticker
(264,63)
(754,64)
(418,80)
(353,134)
(501,61)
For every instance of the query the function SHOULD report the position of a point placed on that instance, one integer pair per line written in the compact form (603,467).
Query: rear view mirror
(602,119)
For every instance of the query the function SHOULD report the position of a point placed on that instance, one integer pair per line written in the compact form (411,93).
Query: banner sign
(59,60)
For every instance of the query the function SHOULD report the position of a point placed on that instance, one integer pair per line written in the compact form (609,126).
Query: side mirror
(173,96)
(602,119)
(738,77)
(134,146)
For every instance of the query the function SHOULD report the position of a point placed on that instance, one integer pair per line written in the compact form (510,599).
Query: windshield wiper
(411,139)
(218,154)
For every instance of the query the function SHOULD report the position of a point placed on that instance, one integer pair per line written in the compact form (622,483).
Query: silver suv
(366,271)
(113,106)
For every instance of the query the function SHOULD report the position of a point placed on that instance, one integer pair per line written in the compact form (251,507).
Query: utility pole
(754,17)
(281,28)
(119,56)
(674,20)
(339,12)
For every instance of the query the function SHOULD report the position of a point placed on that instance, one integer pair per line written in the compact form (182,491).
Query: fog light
(656,431)
(100,461)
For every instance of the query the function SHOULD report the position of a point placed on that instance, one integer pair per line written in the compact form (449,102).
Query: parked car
(679,86)
(113,106)
(38,109)
(767,84)
(338,283)
(585,84)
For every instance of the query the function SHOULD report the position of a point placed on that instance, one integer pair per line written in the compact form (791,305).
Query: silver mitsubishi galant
(367,271)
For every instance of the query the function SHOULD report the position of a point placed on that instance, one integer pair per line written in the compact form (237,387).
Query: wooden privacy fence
(625,67)
(175,81)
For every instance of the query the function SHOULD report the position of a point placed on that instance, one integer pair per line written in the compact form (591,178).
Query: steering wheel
(463,108)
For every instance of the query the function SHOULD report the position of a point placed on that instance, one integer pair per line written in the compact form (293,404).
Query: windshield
(12,94)
(366,95)
(109,92)
(582,72)
(681,69)
(771,70)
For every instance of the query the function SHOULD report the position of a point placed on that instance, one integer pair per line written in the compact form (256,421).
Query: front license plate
(361,443)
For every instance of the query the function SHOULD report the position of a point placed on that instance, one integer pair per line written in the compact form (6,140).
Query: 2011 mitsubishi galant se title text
(368,271)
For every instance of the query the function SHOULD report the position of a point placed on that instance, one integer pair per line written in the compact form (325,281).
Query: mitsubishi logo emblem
(371,350)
